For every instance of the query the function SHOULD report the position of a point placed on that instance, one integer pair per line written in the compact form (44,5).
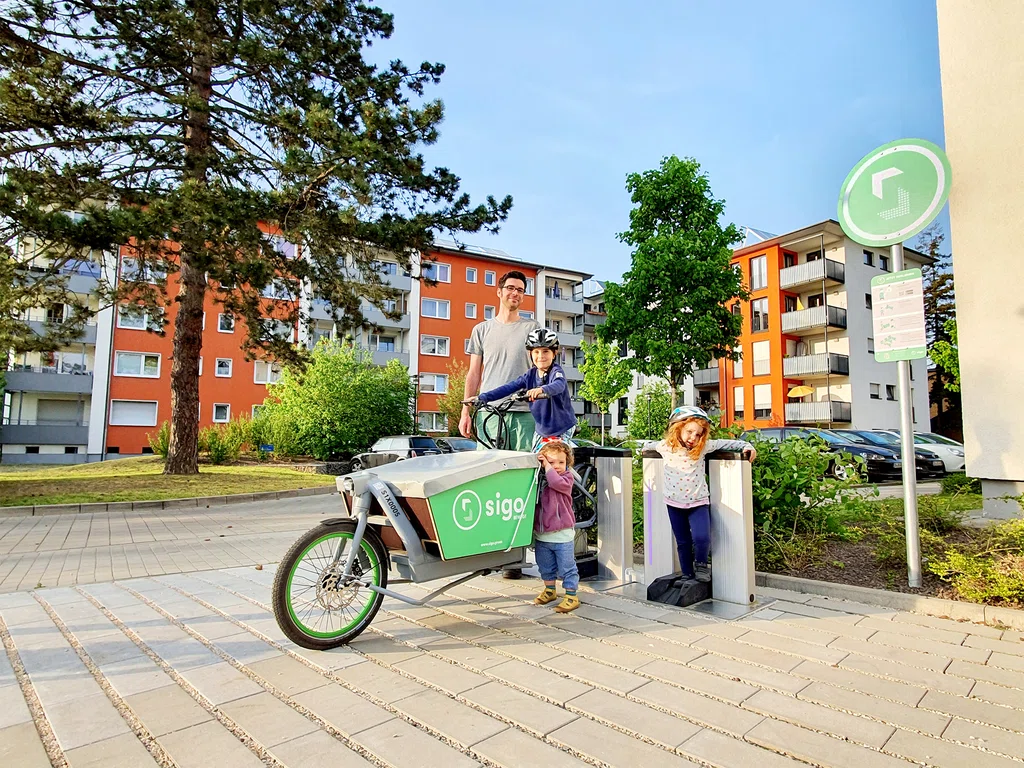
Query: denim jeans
(692,529)
(558,560)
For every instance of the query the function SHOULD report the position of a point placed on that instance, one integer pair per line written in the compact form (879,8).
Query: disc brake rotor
(331,593)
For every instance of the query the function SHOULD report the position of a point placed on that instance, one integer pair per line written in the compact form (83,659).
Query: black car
(926,463)
(456,444)
(882,463)
(396,448)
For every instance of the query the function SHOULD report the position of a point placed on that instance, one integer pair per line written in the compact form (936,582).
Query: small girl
(550,403)
(555,529)
(686,487)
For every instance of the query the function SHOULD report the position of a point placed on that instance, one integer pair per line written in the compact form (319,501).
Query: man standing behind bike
(497,355)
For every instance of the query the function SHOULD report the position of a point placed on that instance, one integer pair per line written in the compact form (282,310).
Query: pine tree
(939,317)
(670,309)
(207,136)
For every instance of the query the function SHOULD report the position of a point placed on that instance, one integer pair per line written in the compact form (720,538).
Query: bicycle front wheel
(313,603)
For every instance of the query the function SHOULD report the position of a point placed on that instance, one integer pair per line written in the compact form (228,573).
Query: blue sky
(555,103)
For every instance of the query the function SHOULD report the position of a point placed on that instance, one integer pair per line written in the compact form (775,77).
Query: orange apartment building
(113,390)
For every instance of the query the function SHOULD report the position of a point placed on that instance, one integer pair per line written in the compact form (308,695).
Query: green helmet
(684,412)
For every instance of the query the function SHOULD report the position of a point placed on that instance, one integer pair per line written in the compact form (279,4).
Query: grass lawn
(141,479)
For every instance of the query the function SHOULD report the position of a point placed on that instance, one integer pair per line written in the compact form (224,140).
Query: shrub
(160,440)
(586,432)
(221,443)
(959,482)
(988,570)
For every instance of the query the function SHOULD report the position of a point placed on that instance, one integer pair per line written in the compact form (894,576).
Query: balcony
(592,320)
(706,377)
(806,366)
(88,335)
(832,272)
(67,379)
(382,357)
(577,407)
(818,413)
(569,301)
(572,373)
(27,432)
(812,319)
(375,316)
(567,339)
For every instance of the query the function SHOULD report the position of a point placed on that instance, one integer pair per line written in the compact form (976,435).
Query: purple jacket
(556,503)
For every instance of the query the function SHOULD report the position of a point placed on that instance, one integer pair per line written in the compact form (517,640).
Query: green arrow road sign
(894,192)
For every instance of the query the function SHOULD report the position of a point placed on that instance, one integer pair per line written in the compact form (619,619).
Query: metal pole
(908,456)
(824,299)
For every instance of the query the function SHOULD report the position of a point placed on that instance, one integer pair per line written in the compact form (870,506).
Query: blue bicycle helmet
(684,412)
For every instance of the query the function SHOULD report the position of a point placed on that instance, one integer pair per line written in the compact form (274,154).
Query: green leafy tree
(450,403)
(671,307)
(648,415)
(338,405)
(606,376)
(939,310)
(944,353)
(178,128)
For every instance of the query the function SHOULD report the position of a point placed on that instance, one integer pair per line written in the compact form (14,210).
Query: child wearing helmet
(546,387)
(686,489)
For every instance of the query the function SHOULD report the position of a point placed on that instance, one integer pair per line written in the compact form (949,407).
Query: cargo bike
(453,516)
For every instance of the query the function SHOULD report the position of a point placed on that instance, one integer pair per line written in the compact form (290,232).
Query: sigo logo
(506,508)
(466,510)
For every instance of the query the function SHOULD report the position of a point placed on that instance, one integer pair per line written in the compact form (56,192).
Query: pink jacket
(556,503)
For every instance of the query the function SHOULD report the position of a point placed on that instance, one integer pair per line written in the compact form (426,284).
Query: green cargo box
(479,501)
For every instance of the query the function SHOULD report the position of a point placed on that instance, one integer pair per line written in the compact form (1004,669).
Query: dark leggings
(692,529)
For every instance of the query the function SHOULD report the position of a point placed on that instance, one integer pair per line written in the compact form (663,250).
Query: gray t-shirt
(503,348)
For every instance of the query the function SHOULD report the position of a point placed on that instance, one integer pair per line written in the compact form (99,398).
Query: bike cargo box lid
(426,476)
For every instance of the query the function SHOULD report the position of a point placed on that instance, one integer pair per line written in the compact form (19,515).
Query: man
(497,355)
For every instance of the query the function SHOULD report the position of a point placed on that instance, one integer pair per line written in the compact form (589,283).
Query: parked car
(882,463)
(927,462)
(456,444)
(951,451)
(395,448)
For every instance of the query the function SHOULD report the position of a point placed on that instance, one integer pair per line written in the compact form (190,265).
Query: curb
(130,506)
(901,601)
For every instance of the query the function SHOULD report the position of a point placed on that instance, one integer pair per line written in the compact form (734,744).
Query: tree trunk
(675,393)
(183,451)
(602,427)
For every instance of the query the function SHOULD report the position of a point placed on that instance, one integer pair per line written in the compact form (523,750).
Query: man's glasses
(514,289)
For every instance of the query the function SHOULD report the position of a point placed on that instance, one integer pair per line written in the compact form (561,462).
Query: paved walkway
(58,550)
(191,670)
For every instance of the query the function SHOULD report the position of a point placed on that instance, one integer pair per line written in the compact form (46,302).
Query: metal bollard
(732,526)
(614,514)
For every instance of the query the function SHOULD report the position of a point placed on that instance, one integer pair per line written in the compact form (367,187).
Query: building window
(813,256)
(278,289)
(788,259)
(130,270)
(200,365)
(466,345)
(31,449)
(737,368)
(256,410)
(890,391)
(488,312)
(138,320)
(759,315)
(789,303)
(225,323)
(265,372)
(283,247)
(133,413)
(762,358)
(470,310)
(70,449)
(470,274)
(758,273)
(382,343)
(435,308)
(490,278)
(623,410)
(278,329)
(876,392)
(386,267)
(883,263)
(871,346)
(432,422)
(223,370)
(441,273)
(530,287)
(221,413)
(137,364)
(737,403)
(867,301)
(762,401)
(434,382)
(526,315)
(869,258)
(434,345)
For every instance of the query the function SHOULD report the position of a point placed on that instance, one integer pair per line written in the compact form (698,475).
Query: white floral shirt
(686,484)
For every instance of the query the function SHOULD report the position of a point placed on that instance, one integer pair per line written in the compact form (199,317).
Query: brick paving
(185,666)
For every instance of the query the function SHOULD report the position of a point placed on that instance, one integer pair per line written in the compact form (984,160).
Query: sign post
(892,194)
